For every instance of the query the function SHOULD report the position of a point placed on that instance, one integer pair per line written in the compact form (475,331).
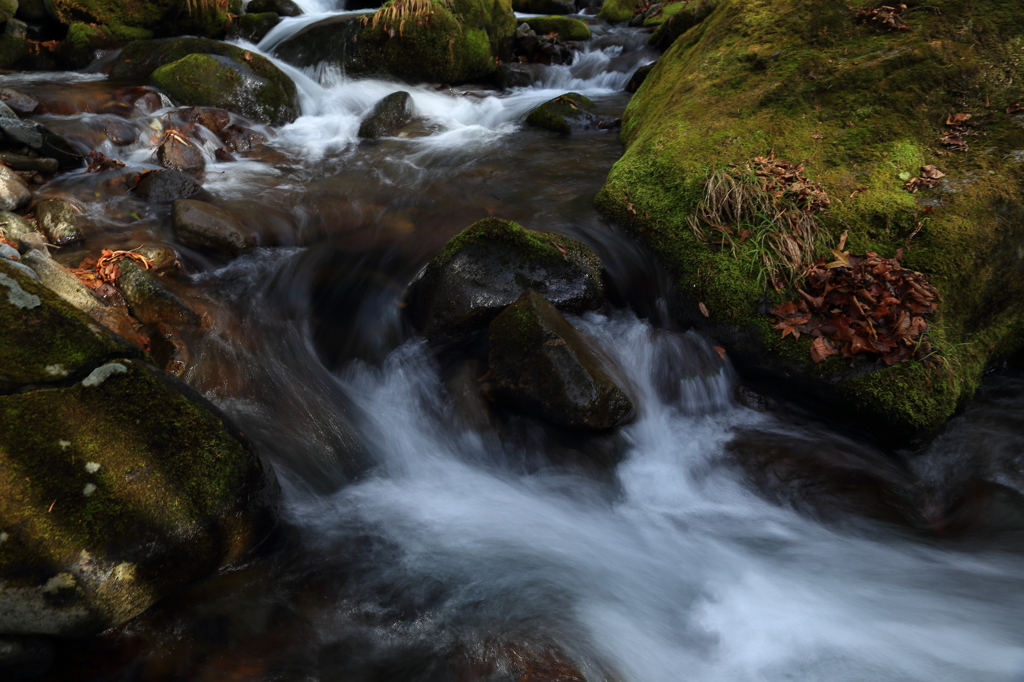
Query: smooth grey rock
(9,252)
(205,226)
(14,226)
(14,193)
(543,366)
(6,111)
(58,280)
(387,116)
(57,221)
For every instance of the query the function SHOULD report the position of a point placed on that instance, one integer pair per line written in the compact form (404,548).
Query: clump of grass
(401,10)
(194,7)
(764,211)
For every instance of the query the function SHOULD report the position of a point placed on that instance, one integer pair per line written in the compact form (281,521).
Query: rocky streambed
(320,363)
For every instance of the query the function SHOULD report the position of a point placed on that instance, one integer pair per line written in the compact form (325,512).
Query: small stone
(214,120)
(161,187)
(57,221)
(19,102)
(14,193)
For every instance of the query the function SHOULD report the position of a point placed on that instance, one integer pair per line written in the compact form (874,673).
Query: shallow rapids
(674,550)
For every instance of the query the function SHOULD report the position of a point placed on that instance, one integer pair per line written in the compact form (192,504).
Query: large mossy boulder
(617,10)
(139,19)
(541,365)
(454,41)
(489,265)
(866,106)
(118,483)
(204,72)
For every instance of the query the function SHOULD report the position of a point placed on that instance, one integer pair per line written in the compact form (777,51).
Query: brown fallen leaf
(561,249)
(720,351)
(822,348)
(703,309)
(958,119)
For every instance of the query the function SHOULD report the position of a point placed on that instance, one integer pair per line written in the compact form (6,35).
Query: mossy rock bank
(864,108)
(146,18)
(204,72)
(566,28)
(489,265)
(454,42)
(119,483)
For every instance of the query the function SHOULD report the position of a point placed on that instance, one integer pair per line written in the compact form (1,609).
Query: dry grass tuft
(194,7)
(401,10)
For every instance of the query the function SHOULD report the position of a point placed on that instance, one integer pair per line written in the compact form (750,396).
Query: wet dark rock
(565,114)
(541,365)
(19,102)
(22,657)
(488,266)
(284,8)
(544,6)
(120,133)
(151,486)
(6,111)
(57,221)
(22,162)
(44,141)
(162,257)
(214,120)
(334,40)
(14,193)
(513,76)
(32,241)
(388,115)
(150,301)
(169,349)
(162,187)
(223,155)
(254,27)
(33,10)
(239,139)
(638,77)
(532,46)
(181,154)
(205,226)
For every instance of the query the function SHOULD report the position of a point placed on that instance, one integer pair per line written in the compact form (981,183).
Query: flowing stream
(680,548)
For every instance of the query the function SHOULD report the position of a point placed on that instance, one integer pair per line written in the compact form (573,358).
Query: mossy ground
(566,28)
(162,17)
(860,106)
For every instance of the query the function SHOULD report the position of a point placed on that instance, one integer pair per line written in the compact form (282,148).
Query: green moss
(528,245)
(667,11)
(241,81)
(158,16)
(456,44)
(49,341)
(559,114)
(617,10)
(566,28)
(13,51)
(677,19)
(859,107)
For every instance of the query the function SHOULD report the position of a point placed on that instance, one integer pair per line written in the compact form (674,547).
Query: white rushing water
(685,573)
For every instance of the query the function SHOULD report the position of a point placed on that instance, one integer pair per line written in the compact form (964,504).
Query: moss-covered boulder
(676,19)
(254,27)
(454,41)
(139,19)
(204,72)
(566,28)
(564,114)
(387,116)
(7,9)
(866,106)
(284,8)
(489,265)
(617,10)
(541,365)
(118,484)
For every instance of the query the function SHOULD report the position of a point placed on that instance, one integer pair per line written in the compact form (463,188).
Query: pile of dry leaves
(930,176)
(959,128)
(97,272)
(885,16)
(861,305)
(782,179)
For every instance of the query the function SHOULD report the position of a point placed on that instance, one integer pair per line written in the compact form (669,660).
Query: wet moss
(13,51)
(566,28)
(561,114)
(860,107)
(617,10)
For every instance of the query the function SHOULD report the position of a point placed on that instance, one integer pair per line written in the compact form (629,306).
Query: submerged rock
(489,265)
(541,365)
(57,221)
(162,187)
(205,226)
(564,114)
(388,115)
(148,487)
(150,301)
